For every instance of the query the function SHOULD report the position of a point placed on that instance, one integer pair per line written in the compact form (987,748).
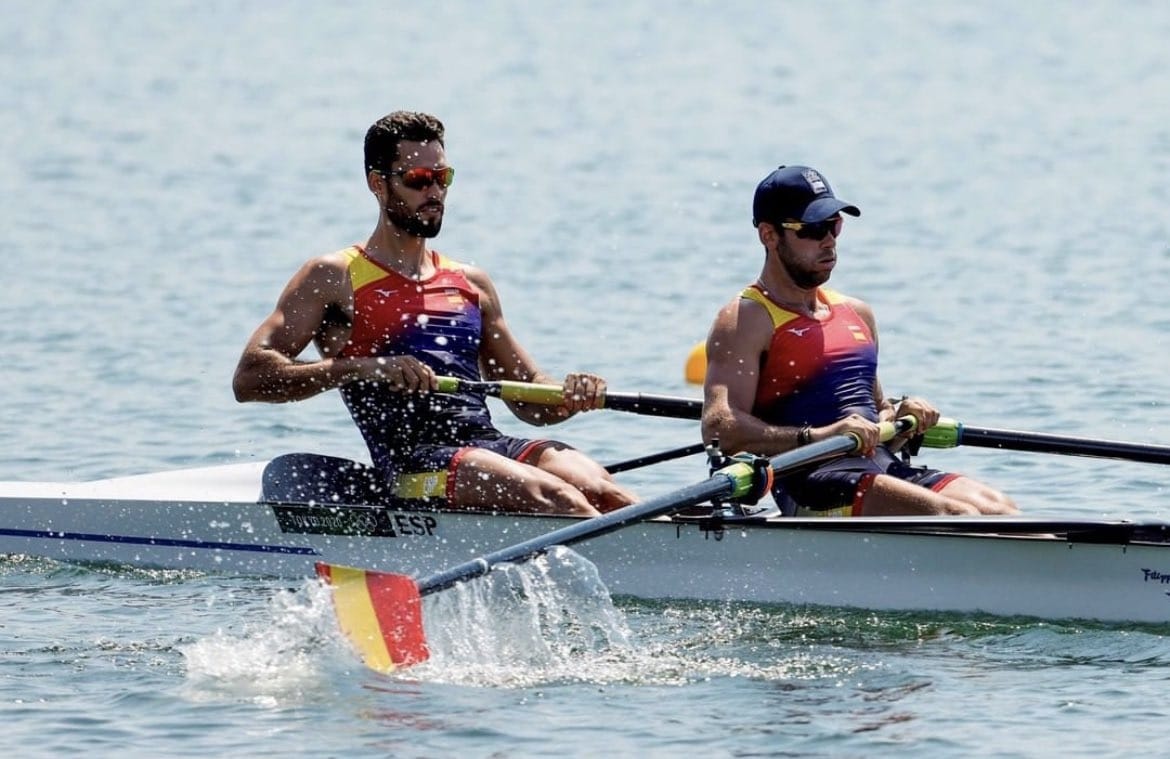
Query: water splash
(546,620)
(552,621)
(277,657)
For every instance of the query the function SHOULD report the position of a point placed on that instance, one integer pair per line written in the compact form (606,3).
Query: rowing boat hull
(223,519)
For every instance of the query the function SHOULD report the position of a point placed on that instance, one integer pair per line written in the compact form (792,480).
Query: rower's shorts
(837,488)
(427,474)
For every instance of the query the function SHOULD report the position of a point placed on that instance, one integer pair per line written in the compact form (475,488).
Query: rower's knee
(587,477)
(982,498)
(550,494)
(998,504)
(607,495)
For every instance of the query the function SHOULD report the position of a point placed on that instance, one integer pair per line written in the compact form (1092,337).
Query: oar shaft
(1044,443)
(655,405)
(719,486)
(949,433)
(654,458)
(729,482)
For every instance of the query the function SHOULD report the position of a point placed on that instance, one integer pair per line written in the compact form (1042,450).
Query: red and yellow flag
(380,613)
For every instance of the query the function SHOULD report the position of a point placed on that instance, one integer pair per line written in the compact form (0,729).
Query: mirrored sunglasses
(421,177)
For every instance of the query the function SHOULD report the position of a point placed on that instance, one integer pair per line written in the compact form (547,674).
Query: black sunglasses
(815,230)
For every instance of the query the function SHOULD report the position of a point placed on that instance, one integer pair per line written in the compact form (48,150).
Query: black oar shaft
(1073,446)
(655,405)
(654,458)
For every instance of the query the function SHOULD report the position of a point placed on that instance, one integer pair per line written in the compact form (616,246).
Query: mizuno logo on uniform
(384,293)
(799,332)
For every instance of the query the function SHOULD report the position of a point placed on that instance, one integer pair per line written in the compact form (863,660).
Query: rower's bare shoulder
(475,275)
(324,277)
(331,267)
(744,315)
(489,299)
(741,327)
(863,309)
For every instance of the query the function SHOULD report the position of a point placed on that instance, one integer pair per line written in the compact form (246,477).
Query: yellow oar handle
(887,430)
(892,429)
(526,392)
(554,395)
(507,390)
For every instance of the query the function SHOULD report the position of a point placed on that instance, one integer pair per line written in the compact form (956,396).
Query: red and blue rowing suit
(416,441)
(816,372)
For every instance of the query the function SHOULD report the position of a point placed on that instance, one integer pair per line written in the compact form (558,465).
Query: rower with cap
(792,362)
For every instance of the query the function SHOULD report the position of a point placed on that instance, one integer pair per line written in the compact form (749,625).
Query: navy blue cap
(796,193)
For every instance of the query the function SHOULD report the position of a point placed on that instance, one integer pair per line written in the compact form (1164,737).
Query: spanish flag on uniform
(381,613)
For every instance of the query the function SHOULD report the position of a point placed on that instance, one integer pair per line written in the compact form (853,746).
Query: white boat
(281,517)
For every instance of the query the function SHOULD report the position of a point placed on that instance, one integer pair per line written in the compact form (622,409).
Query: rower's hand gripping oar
(554,395)
(381,613)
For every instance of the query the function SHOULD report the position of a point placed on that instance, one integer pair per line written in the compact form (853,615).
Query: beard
(411,222)
(804,278)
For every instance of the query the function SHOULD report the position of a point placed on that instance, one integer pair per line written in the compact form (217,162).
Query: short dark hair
(383,137)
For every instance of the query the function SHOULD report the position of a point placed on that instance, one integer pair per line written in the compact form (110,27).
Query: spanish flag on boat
(380,613)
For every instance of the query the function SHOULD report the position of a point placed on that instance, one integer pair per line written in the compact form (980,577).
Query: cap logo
(814,181)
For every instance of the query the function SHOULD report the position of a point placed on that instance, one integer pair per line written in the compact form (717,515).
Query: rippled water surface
(167,166)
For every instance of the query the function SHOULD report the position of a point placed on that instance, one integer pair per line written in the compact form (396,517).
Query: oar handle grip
(527,392)
(554,395)
(507,390)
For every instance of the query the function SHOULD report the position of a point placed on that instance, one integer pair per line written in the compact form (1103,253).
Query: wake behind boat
(281,517)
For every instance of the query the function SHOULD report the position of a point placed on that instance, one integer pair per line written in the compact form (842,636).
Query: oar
(949,433)
(381,613)
(655,458)
(553,395)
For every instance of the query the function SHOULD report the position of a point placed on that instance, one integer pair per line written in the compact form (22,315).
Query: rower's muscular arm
(269,370)
(737,342)
(501,357)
